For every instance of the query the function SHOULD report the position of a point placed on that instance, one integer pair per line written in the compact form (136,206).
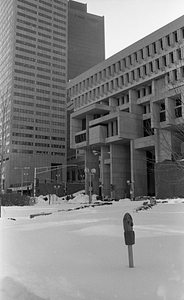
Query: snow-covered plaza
(72,253)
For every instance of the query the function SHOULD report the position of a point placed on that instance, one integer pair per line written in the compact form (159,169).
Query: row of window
(63,53)
(22,95)
(138,57)
(45,42)
(39,61)
(48,85)
(24,151)
(38,113)
(39,121)
(25,143)
(125,80)
(41,34)
(50,11)
(43,129)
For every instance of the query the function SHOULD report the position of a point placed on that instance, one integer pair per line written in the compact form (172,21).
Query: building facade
(129,110)
(86,48)
(86,40)
(33,75)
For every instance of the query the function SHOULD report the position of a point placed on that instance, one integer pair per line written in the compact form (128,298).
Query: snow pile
(171,201)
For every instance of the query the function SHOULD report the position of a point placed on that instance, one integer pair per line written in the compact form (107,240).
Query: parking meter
(129,234)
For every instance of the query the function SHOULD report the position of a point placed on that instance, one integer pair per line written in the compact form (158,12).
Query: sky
(81,254)
(127,21)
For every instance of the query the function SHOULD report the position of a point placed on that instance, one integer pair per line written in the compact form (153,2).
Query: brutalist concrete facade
(129,109)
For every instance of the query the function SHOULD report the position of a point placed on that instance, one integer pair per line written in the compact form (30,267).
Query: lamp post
(102,158)
(22,176)
(91,173)
(57,187)
(131,185)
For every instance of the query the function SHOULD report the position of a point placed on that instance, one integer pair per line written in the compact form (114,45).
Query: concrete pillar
(170,112)
(113,102)
(119,170)
(120,82)
(134,108)
(109,129)
(163,145)
(105,171)
(117,67)
(138,171)
(115,128)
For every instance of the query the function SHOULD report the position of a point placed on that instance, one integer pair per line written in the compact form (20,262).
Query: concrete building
(129,110)
(33,75)
(86,48)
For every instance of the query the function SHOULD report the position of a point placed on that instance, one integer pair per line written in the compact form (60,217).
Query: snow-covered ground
(71,253)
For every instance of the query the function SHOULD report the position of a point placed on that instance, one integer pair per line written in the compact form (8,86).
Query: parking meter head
(128,222)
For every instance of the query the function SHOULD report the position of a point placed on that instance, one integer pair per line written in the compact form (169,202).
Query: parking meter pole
(90,189)
(130,256)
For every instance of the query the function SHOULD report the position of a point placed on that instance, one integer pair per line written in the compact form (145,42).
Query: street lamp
(22,176)
(131,185)
(91,173)
(57,187)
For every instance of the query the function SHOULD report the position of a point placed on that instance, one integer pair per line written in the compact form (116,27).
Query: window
(161,44)
(142,54)
(151,66)
(149,89)
(148,50)
(178,108)
(157,64)
(168,40)
(179,56)
(162,112)
(171,57)
(154,48)
(175,36)
(164,61)
(135,54)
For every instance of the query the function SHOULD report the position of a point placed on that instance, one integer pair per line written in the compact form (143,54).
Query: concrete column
(110,86)
(134,108)
(155,115)
(170,112)
(163,145)
(105,171)
(117,67)
(122,65)
(138,171)
(120,83)
(109,129)
(114,128)
(107,72)
(115,84)
(119,169)
(113,102)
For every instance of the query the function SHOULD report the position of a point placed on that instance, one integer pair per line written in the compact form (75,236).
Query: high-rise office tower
(86,48)
(86,41)
(33,67)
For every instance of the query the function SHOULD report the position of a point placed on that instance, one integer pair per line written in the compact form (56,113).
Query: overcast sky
(127,21)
